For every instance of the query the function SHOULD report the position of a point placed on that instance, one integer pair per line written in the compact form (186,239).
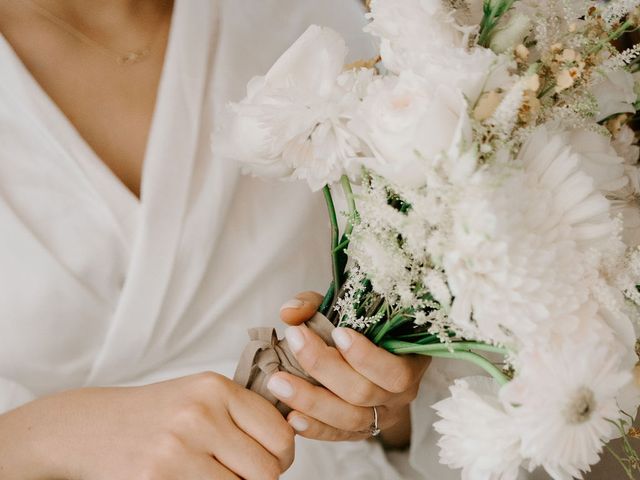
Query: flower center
(581,406)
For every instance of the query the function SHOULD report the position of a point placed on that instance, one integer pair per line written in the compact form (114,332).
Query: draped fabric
(100,288)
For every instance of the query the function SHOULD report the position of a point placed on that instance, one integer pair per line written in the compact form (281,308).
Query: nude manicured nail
(299,424)
(293,303)
(342,338)
(295,338)
(280,387)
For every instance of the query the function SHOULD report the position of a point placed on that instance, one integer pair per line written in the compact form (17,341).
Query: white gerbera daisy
(477,434)
(564,400)
(515,259)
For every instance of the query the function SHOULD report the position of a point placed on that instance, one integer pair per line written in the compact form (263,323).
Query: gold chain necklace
(121,58)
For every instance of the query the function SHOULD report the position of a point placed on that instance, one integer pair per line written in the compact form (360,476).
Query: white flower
(423,36)
(407,124)
(477,434)
(626,200)
(615,93)
(512,34)
(598,159)
(515,257)
(407,25)
(562,400)
(292,124)
(626,145)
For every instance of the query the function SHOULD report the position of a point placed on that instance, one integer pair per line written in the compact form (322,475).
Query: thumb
(301,308)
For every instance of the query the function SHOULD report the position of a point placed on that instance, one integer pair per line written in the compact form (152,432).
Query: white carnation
(477,434)
(292,124)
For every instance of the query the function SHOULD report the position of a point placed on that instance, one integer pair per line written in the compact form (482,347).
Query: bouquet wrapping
(489,165)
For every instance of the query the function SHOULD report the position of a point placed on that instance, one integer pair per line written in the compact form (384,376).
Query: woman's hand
(357,375)
(198,427)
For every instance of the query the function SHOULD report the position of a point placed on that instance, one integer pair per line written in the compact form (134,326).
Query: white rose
(292,124)
(406,123)
(615,94)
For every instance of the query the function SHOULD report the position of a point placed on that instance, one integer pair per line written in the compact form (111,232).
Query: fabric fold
(266,355)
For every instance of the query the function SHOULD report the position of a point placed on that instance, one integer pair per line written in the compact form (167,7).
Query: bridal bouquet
(490,172)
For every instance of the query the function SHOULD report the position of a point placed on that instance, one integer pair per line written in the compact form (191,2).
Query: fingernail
(342,338)
(293,303)
(299,424)
(280,387)
(295,338)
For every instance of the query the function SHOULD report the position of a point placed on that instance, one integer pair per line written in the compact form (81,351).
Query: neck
(103,11)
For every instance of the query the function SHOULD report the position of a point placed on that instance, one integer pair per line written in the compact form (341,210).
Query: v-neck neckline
(70,131)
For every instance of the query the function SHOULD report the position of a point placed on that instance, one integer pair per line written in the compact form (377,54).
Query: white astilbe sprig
(615,10)
(347,305)
(620,59)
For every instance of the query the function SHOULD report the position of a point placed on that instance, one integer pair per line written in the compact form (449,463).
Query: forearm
(21,448)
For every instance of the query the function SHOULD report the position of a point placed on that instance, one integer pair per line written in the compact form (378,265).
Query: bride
(132,259)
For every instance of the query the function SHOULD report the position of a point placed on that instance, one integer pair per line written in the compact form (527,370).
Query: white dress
(99,288)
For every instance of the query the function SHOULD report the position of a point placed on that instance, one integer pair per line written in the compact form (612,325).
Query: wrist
(29,447)
(398,436)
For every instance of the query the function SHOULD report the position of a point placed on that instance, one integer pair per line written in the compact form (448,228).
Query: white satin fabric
(99,288)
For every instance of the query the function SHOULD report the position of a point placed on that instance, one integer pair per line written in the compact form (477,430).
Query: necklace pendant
(132,57)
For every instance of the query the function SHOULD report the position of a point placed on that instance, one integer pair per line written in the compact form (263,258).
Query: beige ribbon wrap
(265,355)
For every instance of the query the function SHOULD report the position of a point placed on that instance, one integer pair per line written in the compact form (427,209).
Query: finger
(264,423)
(320,403)
(232,447)
(393,373)
(328,367)
(314,429)
(301,308)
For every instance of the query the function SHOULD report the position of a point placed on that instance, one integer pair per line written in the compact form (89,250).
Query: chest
(110,105)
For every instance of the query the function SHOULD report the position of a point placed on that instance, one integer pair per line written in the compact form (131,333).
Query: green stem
(478,360)
(327,300)
(335,236)
(493,10)
(621,462)
(386,327)
(461,352)
(351,204)
(613,36)
(406,347)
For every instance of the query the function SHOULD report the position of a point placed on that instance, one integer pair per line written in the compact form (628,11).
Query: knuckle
(167,448)
(205,386)
(362,394)
(402,380)
(283,440)
(412,392)
(311,358)
(191,416)
(306,401)
(335,435)
(149,471)
(359,422)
